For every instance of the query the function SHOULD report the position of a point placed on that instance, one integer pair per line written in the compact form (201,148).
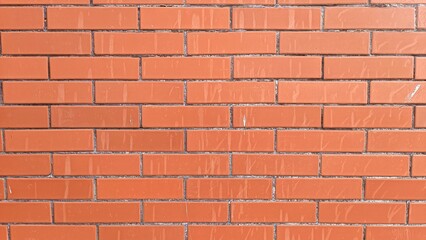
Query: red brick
(417,213)
(395,233)
(138,1)
(398,43)
(421,17)
(421,68)
(321,2)
(395,189)
(3,233)
(11,17)
(396,141)
(230,232)
(23,68)
(25,212)
(24,164)
(51,232)
(23,117)
(28,2)
(419,165)
(141,232)
(398,92)
(319,232)
(232,2)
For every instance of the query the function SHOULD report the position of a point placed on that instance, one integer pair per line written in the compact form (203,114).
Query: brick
(51,232)
(230,232)
(45,188)
(417,213)
(230,140)
(360,212)
(397,92)
(94,68)
(183,18)
(51,92)
(48,140)
(284,165)
(320,141)
(27,2)
(11,18)
(184,164)
(2,193)
(188,116)
(139,92)
(318,188)
(231,42)
(277,67)
(231,188)
(367,117)
(395,233)
(398,43)
(95,116)
(368,67)
(272,212)
(276,116)
(418,166)
(97,212)
(3,233)
(230,92)
(86,18)
(138,1)
(25,212)
(421,17)
(96,164)
(138,43)
(395,189)
(46,43)
(24,117)
(321,2)
(398,1)
(232,2)
(322,92)
(364,165)
(149,188)
(420,68)
(276,18)
(369,18)
(186,68)
(396,141)
(185,212)
(141,232)
(319,232)
(140,140)
(24,164)
(23,68)
(324,42)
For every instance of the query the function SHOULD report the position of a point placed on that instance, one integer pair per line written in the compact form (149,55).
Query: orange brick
(364,165)
(320,141)
(230,188)
(23,68)
(421,68)
(48,140)
(23,117)
(25,212)
(322,92)
(321,2)
(417,213)
(277,116)
(11,17)
(396,141)
(45,188)
(188,116)
(51,232)
(395,233)
(319,232)
(149,188)
(28,2)
(288,165)
(46,43)
(421,17)
(95,164)
(276,18)
(230,140)
(140,140)
(185,164)
(231,42)
(368,67)
(230,232)
(138,43)
(319,188)
(272,212)
(139,92)
(398,43)
(184,18)
(369,18)
(186,68)
(98,116)
(324,42)
(231,92)
(97,212)
(395,189)
(82,18)
(419,166)
(141,232)
(398,92)
(3,233)
(24,164)
(367,117)
(185,212)
(47,92)
(232,2)
(360,212)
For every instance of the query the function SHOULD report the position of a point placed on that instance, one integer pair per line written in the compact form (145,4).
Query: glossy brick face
(212,120)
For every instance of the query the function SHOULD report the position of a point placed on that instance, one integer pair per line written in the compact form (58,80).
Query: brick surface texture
(212,119)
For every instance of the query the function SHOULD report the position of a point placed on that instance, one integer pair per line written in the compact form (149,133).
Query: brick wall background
(213,120)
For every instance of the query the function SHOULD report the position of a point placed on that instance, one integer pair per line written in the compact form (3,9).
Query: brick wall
(213,120)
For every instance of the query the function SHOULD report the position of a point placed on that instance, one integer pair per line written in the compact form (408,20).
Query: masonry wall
(213,120)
